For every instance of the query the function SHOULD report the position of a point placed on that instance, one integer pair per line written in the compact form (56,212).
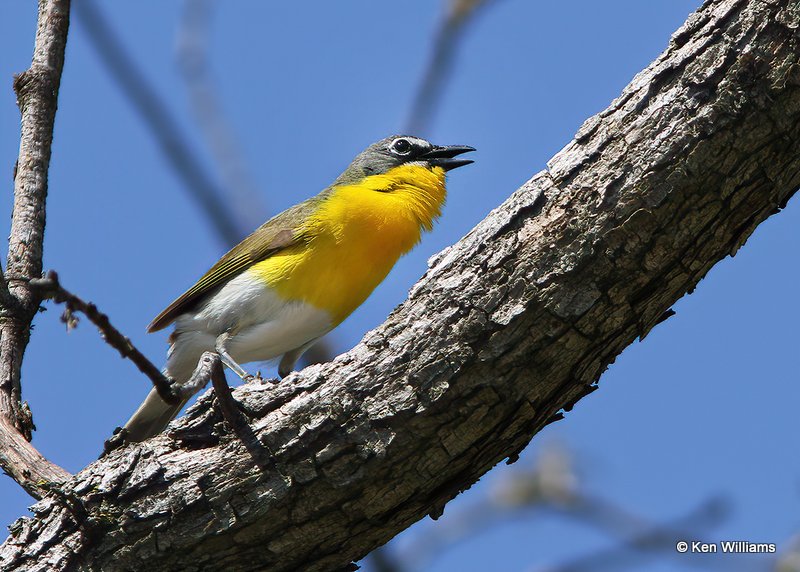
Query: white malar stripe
(263,326)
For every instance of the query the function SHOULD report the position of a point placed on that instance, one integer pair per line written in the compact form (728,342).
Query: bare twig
(551,486)
(49,287)
(165,129)
(201,375)
(193,38)
(37,97)
(192,56)
(230,410)
(650,540)
(440,64)
(214,202)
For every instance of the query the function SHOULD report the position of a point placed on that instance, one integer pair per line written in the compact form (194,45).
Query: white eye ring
(402,146)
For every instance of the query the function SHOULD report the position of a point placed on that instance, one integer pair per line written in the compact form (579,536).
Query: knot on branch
(24,421)
(36,82)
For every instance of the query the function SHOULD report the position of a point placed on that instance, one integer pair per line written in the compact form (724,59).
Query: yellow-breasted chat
(301,273)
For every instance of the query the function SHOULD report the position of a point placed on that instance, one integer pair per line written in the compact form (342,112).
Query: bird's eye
(401,147)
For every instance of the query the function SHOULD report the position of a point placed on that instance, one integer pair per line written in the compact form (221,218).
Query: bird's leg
(222,351)
(288,361)
(290,358)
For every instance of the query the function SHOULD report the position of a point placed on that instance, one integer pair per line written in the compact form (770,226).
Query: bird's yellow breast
(355,237)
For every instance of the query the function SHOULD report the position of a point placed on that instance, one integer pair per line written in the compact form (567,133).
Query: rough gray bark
(37,97)
(22,462)
(508,327)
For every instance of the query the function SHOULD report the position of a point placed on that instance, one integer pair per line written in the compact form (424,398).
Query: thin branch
(209,367)
(226,402)
(202,374)
(49,287)
(551,485)
(144,98)
(649,540)
(37,97)
(192,40)
(442,57)
(156,116)
(192,56)
(234,416)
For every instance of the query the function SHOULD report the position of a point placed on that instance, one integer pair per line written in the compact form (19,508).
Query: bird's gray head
(398,150)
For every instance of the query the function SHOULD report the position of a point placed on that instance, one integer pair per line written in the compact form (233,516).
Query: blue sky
(704,407)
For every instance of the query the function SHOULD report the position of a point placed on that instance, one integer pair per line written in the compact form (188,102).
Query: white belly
(262,326)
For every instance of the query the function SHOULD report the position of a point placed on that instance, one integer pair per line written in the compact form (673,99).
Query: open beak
(443,156)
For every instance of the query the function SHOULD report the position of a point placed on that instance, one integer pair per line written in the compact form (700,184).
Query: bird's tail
(152,417)
(154,414)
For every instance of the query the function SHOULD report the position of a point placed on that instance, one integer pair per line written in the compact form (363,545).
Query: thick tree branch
(37,97)
(22,462)
(507,328)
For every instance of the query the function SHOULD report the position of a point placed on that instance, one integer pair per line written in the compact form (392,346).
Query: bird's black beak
(443,156)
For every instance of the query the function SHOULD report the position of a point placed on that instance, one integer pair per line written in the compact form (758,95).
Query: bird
(301,273)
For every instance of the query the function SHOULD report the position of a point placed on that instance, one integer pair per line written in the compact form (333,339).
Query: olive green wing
(278,233)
